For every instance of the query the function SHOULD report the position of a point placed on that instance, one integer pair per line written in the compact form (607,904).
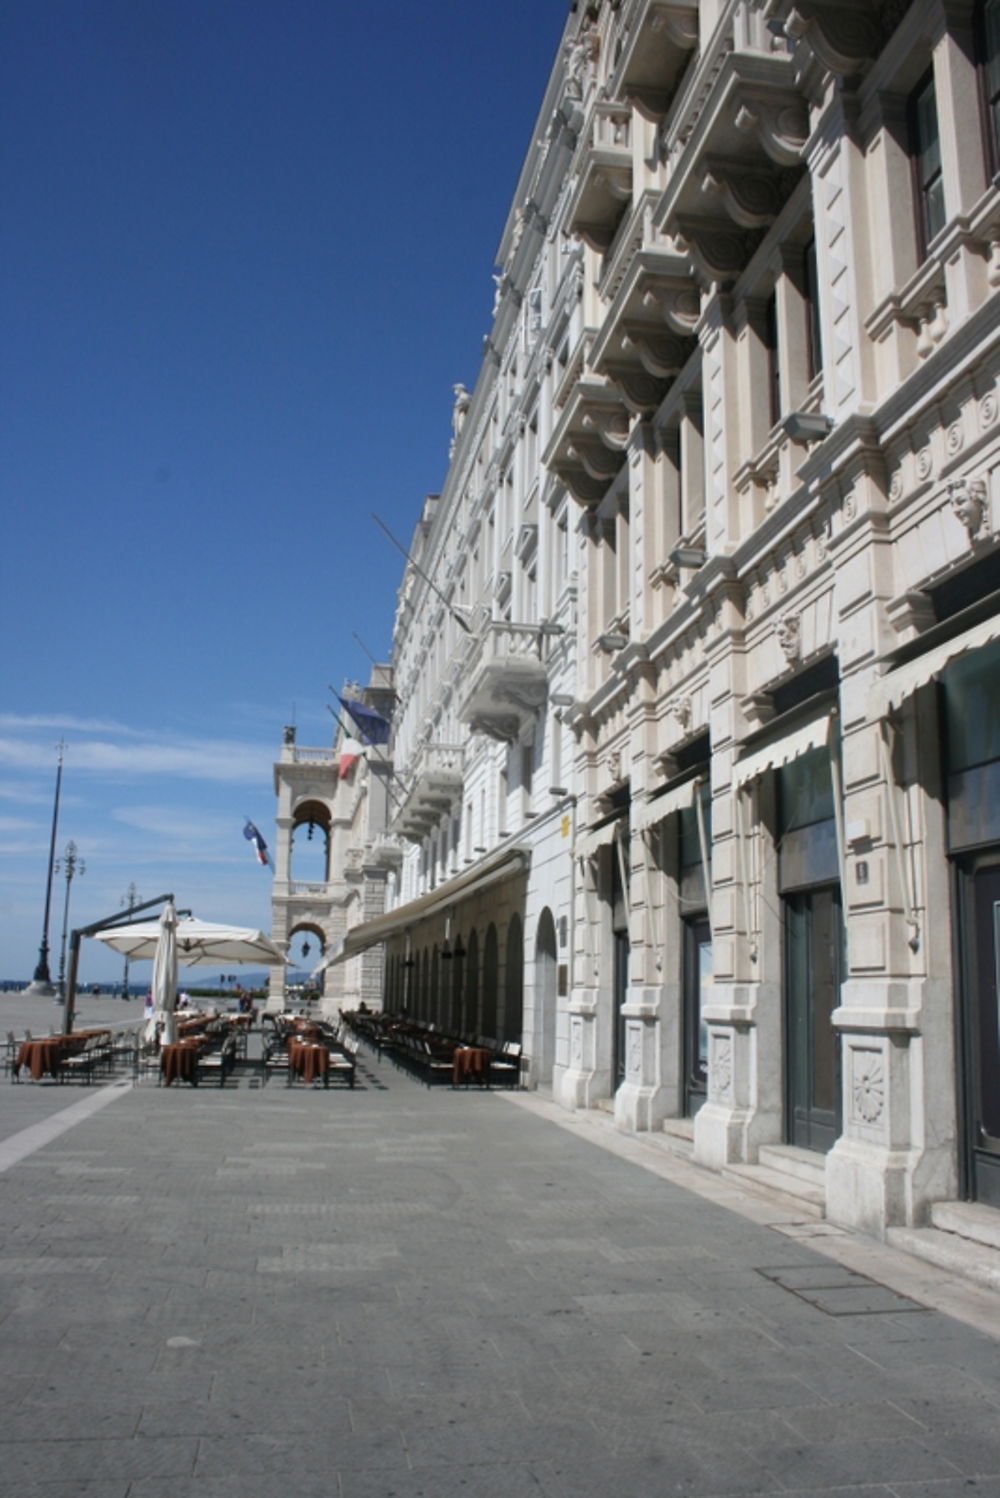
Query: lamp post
(41,984)
(128,901)
(70,863)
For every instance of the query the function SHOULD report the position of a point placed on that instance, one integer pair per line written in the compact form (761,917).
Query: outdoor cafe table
(309,1060)
(470,1061)
(179,1063)
(45,1054)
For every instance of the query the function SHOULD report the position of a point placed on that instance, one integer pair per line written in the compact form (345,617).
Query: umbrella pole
(74,963)
(119,919)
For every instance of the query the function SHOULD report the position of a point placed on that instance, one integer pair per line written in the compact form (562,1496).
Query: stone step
(791,1160)
(970,1260)
(679,1136)
(779,1186)
(968,1220)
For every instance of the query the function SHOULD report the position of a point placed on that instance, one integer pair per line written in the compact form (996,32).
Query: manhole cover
(838,1291)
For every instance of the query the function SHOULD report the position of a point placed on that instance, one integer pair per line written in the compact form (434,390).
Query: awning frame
(503,863)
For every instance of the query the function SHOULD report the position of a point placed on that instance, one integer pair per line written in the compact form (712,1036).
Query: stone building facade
(697,731)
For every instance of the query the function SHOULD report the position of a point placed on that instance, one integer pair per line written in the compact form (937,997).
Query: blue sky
(247,252)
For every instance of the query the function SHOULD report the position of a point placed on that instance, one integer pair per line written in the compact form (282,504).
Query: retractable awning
(903,681)
(503,864)
(590,839)
(809,733)
(671,798)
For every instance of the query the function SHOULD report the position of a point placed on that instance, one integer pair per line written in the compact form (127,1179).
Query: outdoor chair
(343,1063)
(505,1066)
(80,1064)
(218,1063)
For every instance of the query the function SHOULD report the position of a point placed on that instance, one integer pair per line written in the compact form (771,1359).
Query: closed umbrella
(163,1017)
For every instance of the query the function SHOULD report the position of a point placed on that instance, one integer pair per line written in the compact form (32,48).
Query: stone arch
(308,816)
(491,985)
(512,1021)
(546,993)
(470,1002)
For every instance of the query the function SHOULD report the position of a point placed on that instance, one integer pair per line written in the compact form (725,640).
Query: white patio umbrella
(164,984)
(208,943)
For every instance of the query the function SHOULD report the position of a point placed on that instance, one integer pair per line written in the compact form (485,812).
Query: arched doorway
(546,991)
(491,985)
(512,1022)
(469,1024)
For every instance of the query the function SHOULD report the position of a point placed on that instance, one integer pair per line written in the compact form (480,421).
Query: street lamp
(129,900)
(41,983)
(68,865)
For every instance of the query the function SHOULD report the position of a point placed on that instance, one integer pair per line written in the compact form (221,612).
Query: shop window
(973,709)
(806,791)
(925,154)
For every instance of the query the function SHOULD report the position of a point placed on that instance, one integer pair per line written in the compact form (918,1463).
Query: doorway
(697,994)
(981,1032)
(814,944)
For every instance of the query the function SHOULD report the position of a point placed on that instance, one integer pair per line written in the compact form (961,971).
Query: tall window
(988,19)
(925,150)
(773,364)
(814,333)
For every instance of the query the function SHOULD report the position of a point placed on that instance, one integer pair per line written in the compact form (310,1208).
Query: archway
(469,1025)
(546,993)
(491,985)
(512,1022)
(309,845)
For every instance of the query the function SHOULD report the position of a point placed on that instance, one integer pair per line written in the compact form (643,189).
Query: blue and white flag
(372,727)
(252,835)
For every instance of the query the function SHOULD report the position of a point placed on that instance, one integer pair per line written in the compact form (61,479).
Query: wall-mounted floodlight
(558,790)
(807,426)
(612,640)
(688,556)
(549,627)
(562,699)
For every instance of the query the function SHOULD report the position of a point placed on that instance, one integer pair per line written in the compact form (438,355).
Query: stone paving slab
(408,1292)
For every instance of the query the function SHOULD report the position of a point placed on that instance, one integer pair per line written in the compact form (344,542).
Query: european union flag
(372,727)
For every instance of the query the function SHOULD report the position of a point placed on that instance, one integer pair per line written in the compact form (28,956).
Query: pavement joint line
(924,1282)
(19,1146)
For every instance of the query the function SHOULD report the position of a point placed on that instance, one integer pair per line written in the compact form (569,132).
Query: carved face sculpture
(789,636)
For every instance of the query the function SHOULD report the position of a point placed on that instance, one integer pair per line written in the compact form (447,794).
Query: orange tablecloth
(179,1063)
(44,1055)
(470,1061)
(308,1059)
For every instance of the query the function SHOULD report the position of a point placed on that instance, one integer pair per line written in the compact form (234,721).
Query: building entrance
(813,946)
(981,1038)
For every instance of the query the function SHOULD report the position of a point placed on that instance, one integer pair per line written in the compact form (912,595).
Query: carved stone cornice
(719,252)
(781,129)
(752,199)
(660,352)
(843,35)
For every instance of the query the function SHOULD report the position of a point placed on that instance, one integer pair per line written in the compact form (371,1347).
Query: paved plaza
(396,1292)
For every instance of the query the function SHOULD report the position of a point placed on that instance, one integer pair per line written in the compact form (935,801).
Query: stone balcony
(604,187)
(434,785)
(655,52)
(507,680)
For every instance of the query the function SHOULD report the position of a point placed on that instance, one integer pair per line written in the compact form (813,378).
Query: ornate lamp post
(68,865)
(41,984)
(129,901)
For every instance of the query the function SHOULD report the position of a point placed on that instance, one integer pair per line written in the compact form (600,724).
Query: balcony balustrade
(507,680)
(435,784)
(604,187)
